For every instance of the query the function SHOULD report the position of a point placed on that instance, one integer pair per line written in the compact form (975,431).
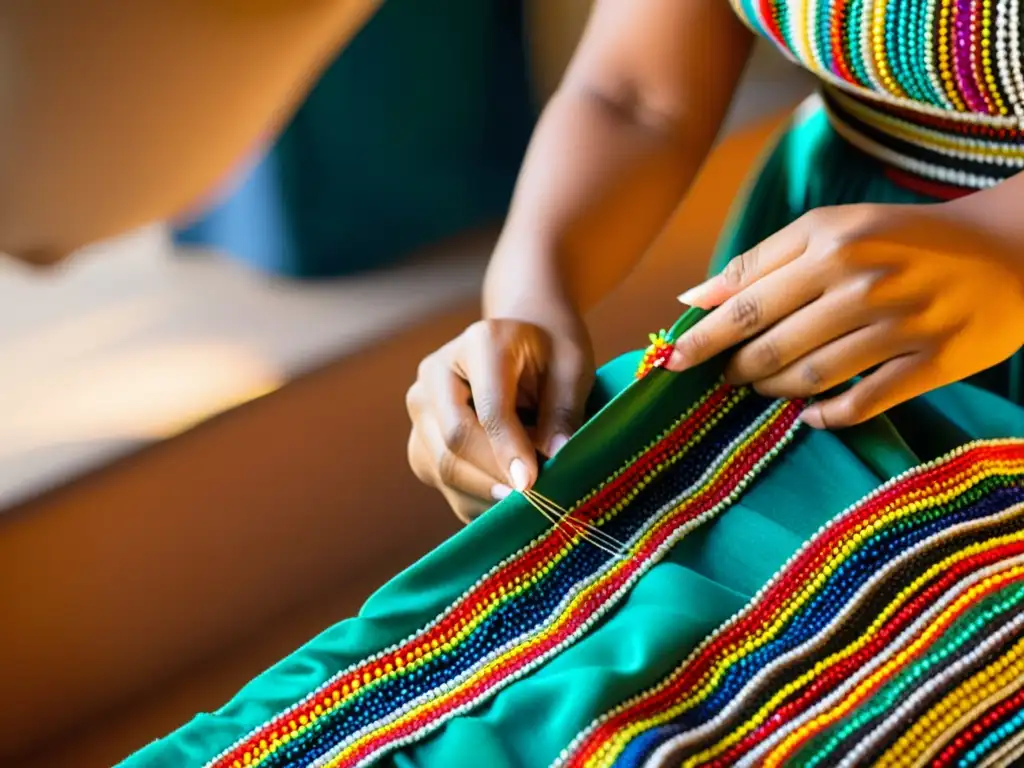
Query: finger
(897,381)
(836,362)
(744,270)
(833,315)
(494,382)
(466,508)
(454,472)
(453,432)
(562,402)
(748,313)
(448,396)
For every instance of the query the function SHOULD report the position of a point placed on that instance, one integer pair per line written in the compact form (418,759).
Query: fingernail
(676,362)
(557,443)
(500,491)
(812,418)
(687,297)
(697,295)
(520,477)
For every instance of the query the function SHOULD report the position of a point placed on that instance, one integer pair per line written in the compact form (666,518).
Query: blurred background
(202,457)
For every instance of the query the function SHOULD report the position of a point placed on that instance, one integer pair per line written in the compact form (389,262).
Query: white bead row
(596,612)
(950,176)
(567,754)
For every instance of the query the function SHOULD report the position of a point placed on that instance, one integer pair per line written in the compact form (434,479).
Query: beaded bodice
(932,87)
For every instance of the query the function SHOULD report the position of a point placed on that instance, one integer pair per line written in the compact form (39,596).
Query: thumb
(563,400)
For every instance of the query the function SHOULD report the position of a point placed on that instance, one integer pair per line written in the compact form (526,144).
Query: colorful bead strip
(876,655)
(979,734)
(897,626)
(536,602)
(932,56)
(934,88)
(866,654)
(926,148)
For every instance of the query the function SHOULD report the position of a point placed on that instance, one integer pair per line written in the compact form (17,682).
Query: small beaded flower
(656,355)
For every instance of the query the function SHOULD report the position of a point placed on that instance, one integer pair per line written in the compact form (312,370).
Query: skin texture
(117,113)
(615,150)
(912,296)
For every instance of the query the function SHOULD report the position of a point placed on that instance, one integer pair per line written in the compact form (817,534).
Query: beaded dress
(934,89)
(782,596)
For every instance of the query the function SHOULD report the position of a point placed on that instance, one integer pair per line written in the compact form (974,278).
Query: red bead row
(799,571)
(604,499)
(724,485)
(837,36)
(925,186)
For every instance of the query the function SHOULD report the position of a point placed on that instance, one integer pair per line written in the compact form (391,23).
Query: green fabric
(711,574)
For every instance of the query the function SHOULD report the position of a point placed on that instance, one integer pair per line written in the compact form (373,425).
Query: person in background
(881,242)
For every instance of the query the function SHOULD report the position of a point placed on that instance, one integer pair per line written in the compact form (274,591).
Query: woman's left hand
(912,296)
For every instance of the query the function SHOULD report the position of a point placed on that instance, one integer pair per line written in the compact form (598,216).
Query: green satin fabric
(710,575)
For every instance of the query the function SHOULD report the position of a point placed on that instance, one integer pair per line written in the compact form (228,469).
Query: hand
(910,295)
(467,438)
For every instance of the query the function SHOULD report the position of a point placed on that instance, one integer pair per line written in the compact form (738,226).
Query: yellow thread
(561,516)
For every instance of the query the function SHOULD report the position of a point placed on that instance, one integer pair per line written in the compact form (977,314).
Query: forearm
(115,113)
(997,213)
(616,149)
(596,188)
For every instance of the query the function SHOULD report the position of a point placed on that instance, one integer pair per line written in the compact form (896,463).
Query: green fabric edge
(623,428)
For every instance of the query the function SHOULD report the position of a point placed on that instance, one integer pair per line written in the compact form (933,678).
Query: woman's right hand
(468,440)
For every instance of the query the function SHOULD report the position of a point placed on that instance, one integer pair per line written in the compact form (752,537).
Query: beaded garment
(932,88)
(536,602)
(895,636)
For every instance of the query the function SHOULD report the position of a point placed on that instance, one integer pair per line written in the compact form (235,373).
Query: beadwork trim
(935,152)
(313,730)
(867,33)
(925,169)
(927,561)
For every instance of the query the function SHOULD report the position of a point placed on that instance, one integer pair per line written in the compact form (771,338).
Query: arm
(999,211)
(615,150)
(116,113)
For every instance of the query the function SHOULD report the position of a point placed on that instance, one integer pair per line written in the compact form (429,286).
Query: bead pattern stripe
(951,66)
(537,602)
(894,631)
